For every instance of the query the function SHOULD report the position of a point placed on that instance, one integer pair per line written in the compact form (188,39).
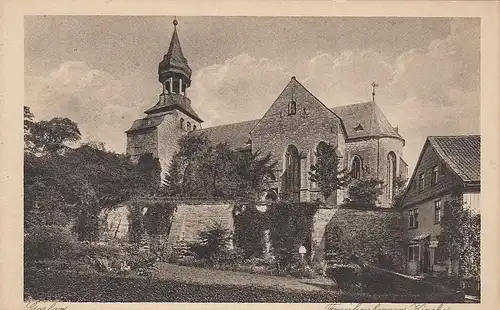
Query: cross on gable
(373,92)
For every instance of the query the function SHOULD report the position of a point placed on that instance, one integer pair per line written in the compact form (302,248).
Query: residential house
(446,163)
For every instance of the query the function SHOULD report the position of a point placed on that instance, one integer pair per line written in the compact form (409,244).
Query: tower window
(188,126)
(182,123)
(292,108)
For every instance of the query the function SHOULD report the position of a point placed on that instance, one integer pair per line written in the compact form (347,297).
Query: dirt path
(224,277)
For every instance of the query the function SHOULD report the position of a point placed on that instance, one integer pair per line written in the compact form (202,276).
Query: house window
(413,218)
(188,126)
(413,252)
(182,123)
(421,183)
(435,175)
(194,127)
(438,212)
(356,167)
(292,108)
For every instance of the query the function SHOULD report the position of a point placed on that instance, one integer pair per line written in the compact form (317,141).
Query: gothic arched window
(356,167)
(292,172)
(182,123)
(292,108)
(391,174)
(188,126)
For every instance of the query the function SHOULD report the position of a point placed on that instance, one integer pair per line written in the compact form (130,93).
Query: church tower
(157,134)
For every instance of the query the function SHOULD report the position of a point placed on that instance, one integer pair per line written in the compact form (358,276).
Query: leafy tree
(364,193)
(48,136)
(71,188)
(149,173)
(326,171)
(200,169)
(174,177)
(459,239)
(399,191)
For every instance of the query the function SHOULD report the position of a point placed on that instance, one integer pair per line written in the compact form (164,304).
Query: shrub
(344,275)
(213,242)
(301,271)
(47,242)
(364,193)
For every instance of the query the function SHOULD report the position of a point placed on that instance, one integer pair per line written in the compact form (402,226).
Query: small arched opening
(356,167)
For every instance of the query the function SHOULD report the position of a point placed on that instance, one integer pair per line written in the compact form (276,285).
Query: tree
(326,171)
(200,169)
(400,190)
(48,136)
(364,193)
(459,239)
(71,188)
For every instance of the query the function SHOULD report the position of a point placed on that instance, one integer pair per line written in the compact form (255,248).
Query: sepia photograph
(251,159)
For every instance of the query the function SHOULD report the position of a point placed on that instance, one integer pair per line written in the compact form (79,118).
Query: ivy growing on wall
(157,221)
(249,227)
(290,226)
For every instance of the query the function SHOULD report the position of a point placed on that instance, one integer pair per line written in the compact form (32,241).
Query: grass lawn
(174,283)
(224,277)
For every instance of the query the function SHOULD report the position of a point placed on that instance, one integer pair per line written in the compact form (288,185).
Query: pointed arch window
(292,108)
(292,173)
(391,174)
(181,123)
(188,126)
(356,167)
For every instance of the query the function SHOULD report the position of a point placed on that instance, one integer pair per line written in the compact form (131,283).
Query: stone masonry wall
(312,124)
(169,133)
(189,220)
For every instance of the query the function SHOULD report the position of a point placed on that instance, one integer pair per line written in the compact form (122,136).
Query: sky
(101,71)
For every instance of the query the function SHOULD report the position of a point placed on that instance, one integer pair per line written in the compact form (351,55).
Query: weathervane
(373,92)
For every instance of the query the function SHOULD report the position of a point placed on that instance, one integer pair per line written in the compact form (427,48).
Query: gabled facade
(445,164)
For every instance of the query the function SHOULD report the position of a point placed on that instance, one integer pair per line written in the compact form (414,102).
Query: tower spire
(174,68)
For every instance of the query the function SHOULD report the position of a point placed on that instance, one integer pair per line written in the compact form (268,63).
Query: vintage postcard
(313,154)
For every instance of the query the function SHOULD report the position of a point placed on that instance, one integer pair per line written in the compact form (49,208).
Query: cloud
(102,105)
(425,91)
(242,88)
(347,78)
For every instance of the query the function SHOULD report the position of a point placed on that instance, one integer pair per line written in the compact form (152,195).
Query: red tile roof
(461,153)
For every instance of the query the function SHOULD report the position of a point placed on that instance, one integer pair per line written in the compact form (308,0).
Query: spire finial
(175,21)
(373,92)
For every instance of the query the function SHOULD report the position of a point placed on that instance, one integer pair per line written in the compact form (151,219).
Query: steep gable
(458,159)
(461,153)
(304,100)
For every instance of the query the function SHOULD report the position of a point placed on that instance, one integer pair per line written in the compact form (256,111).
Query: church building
(292,128)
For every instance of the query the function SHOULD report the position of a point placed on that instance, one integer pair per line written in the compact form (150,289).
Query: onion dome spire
(174,65)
